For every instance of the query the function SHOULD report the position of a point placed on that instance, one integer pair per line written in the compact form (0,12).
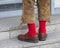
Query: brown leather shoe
(42,37)
(27,38)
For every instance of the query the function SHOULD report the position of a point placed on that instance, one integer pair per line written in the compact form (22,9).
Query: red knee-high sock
(42,27)
(32,29)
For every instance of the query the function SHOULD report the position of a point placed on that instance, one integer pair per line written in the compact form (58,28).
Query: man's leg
(29,18)
(43,16)
(28,12)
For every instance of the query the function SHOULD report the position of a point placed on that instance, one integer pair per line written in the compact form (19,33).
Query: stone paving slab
(10,44)
(54,45)
(53,40)
(4,35)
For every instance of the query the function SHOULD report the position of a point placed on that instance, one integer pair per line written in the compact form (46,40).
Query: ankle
(32,29)
(42,27)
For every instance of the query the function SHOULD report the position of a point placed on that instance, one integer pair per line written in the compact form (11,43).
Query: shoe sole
(36,41)
(31,41)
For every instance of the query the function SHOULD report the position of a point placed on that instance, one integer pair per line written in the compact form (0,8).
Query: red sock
(32,29)
(42,27)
